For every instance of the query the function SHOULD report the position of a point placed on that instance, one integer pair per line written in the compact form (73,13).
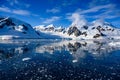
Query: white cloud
(54,10)
(102,12)
(36,15)
(21,12)
(77,20)
(18,3)
(78,17)
(103,16)
(5,9)
(14,11)
(96,9)
(52,19)
(98,2)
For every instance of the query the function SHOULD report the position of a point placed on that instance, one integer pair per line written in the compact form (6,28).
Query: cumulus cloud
(52,19)
(77,19)
(54,10)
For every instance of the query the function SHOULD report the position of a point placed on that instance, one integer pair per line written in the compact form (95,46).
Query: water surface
(59,60)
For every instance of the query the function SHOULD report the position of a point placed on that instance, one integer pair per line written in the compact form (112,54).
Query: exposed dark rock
(102,29)
(49,29)
(112,29)
(109,29)
(75,31)
(25,27)
(103,34)
(93,28)
(97,35)
(85,27)
(99,28)
(37,33)
(9,22)
(70,31)
(84,33)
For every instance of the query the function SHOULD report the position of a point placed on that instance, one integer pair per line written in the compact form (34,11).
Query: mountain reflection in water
(59,60)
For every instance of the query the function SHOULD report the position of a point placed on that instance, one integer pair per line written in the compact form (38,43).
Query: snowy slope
(12,28)
(95,30)
(50,31)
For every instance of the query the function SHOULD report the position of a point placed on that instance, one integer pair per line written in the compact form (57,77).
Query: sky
(62,12)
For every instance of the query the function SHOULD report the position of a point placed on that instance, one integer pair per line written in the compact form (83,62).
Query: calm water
(59,60)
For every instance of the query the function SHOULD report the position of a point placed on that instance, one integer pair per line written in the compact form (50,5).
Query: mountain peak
(101,23)
(50,25)
(14,28)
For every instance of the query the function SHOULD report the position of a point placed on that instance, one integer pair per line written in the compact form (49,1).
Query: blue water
(59,60)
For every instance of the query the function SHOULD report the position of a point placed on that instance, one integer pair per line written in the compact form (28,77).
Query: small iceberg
(26,59)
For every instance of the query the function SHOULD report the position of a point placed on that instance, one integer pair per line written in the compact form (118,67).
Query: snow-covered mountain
(50,31)
(12,28)
(49,28)
(94,30)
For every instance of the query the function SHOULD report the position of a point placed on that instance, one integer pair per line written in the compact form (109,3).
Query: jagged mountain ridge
(50,31)
(13,28)
(50,27)
(95,30)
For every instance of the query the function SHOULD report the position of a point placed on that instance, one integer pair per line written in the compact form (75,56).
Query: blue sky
(61,12)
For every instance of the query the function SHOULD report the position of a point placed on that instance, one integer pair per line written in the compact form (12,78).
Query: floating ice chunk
(25,59)
(74,61)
